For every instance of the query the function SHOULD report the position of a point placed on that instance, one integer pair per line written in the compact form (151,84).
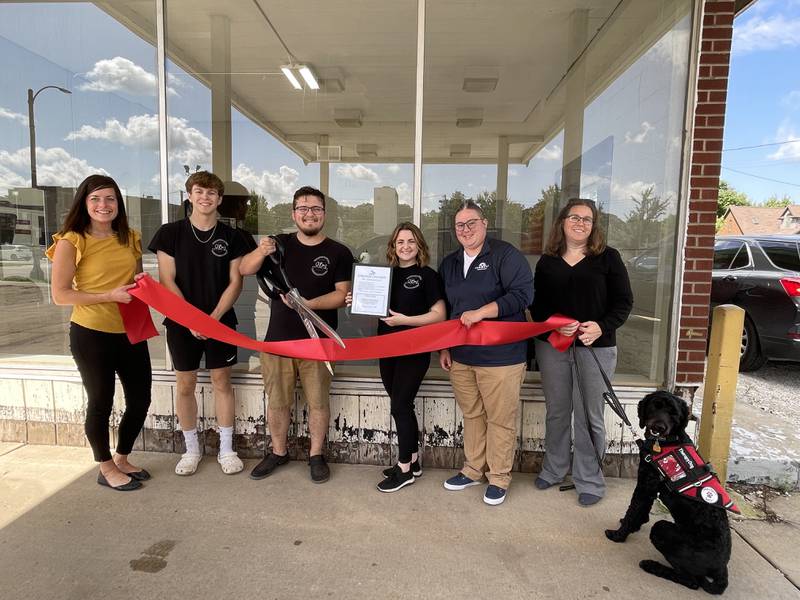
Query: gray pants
(565,406)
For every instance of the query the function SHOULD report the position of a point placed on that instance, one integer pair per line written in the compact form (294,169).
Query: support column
(502,183)
(574,106)
(324,170)
(221,134)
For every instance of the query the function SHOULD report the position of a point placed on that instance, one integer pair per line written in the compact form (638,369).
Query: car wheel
(13,257)
(751,358)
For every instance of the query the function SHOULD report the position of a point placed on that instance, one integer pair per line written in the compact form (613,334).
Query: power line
(764,178)
(760,145)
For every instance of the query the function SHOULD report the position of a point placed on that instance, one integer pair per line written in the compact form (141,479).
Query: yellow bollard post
(719,395)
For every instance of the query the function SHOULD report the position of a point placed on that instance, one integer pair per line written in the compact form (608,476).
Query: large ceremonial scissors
(277,284)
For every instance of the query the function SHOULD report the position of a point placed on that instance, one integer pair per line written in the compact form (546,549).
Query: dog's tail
(715,582)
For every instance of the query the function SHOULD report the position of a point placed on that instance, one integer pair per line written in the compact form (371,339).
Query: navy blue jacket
(501,274)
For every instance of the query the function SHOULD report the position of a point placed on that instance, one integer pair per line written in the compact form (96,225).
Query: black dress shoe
(142,475)
(133,484)
(320,471)
(268,465)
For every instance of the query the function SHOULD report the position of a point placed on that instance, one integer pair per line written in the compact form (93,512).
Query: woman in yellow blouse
(95,258)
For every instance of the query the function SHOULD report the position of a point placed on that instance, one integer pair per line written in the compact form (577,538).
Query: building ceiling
(368,48)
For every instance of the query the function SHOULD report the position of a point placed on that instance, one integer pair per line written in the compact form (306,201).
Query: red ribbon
(446,334)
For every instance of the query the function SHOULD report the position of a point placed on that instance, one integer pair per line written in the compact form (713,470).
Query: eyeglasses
(303,210)
(469,225)
(575,219)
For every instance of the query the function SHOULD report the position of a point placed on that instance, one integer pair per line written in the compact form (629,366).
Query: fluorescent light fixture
(347,117)
(479,84)
(460,150)
(287,70)
(308,76)
(367,150)
(469,117)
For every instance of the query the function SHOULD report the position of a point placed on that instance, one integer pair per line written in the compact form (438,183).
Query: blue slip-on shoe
(459,482)
(588,499)
(542,484)
(494,495)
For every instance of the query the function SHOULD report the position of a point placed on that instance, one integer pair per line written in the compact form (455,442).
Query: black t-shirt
(202,269)
(595,289)
(414,290)
(314,271)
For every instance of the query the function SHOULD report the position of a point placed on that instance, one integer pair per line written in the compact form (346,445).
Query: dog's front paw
(617,535)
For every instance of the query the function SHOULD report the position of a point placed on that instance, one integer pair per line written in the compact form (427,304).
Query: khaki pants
(280,374)
(489,399)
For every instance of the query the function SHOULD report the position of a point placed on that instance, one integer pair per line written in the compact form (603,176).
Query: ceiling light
(460,150)
(307,74)
(347,117)
(469,117)
(479,84)
(287,70)
(367,150)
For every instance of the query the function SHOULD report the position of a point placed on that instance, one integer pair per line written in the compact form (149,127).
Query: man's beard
(310,229)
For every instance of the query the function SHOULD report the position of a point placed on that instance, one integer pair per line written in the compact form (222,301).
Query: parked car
(15,252)
(761,274)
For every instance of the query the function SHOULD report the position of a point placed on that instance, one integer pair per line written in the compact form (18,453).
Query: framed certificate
(372,285)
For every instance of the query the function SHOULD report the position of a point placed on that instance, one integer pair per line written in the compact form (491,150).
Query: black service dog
(698,544)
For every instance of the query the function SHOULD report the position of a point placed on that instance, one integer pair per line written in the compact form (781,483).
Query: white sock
(225,440)
(192,444)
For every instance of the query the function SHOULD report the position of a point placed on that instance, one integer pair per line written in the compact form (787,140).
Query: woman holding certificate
(415,299)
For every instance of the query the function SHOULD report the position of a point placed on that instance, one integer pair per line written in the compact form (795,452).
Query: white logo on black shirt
(219,248)
(412,282)
(482,266)
(320,266)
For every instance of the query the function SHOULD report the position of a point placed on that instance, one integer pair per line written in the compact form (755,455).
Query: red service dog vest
(684,471)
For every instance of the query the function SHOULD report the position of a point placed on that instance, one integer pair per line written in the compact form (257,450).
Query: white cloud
(766,34)
(275,187)
(791,151)
(624,191)
(403,193)
(14,116)
(790,100)
(639,137)
(357,172)
(552,152)
(119,74)
(393,169)
(54,166)
(187,145)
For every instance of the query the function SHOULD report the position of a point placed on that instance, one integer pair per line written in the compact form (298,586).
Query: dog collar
(681,468)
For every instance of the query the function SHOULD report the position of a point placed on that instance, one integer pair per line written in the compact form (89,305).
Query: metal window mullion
(417,209)
(163,157)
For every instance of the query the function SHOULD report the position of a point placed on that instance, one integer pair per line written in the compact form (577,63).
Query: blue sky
(764,101)
(109,122)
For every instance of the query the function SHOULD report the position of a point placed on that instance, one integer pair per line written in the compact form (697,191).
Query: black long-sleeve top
(596,289)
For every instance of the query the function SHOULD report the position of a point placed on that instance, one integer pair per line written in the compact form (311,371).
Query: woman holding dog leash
(580,276)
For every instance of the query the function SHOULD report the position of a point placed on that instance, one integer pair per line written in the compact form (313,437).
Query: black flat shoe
(142,475)
(133,484)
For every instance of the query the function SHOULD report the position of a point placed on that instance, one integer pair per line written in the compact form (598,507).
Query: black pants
(402,376)
(99,356)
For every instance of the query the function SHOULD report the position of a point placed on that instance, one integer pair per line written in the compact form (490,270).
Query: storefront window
(90,78)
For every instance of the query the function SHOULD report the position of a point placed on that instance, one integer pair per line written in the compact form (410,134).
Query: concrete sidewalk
(215,536)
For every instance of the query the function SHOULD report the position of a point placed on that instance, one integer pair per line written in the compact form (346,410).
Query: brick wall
(706,157)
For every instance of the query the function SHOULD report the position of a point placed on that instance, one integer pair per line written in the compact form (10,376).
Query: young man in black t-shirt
(198,259)
(320,269)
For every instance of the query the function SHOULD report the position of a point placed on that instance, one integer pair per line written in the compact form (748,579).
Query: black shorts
(186,350)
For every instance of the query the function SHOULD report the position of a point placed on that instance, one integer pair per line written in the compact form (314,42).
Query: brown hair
(307,190)
(423,254)
(557,244)
(78,219)
(205,180)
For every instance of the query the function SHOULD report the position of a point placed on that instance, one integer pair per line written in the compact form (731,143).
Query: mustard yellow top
(102,264)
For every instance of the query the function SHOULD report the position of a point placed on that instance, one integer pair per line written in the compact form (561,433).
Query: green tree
(728,196)
(775,202)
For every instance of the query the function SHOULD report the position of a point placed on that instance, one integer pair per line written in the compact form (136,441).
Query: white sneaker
(187,465)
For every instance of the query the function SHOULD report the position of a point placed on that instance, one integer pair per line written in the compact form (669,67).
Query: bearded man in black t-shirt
(320,269)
